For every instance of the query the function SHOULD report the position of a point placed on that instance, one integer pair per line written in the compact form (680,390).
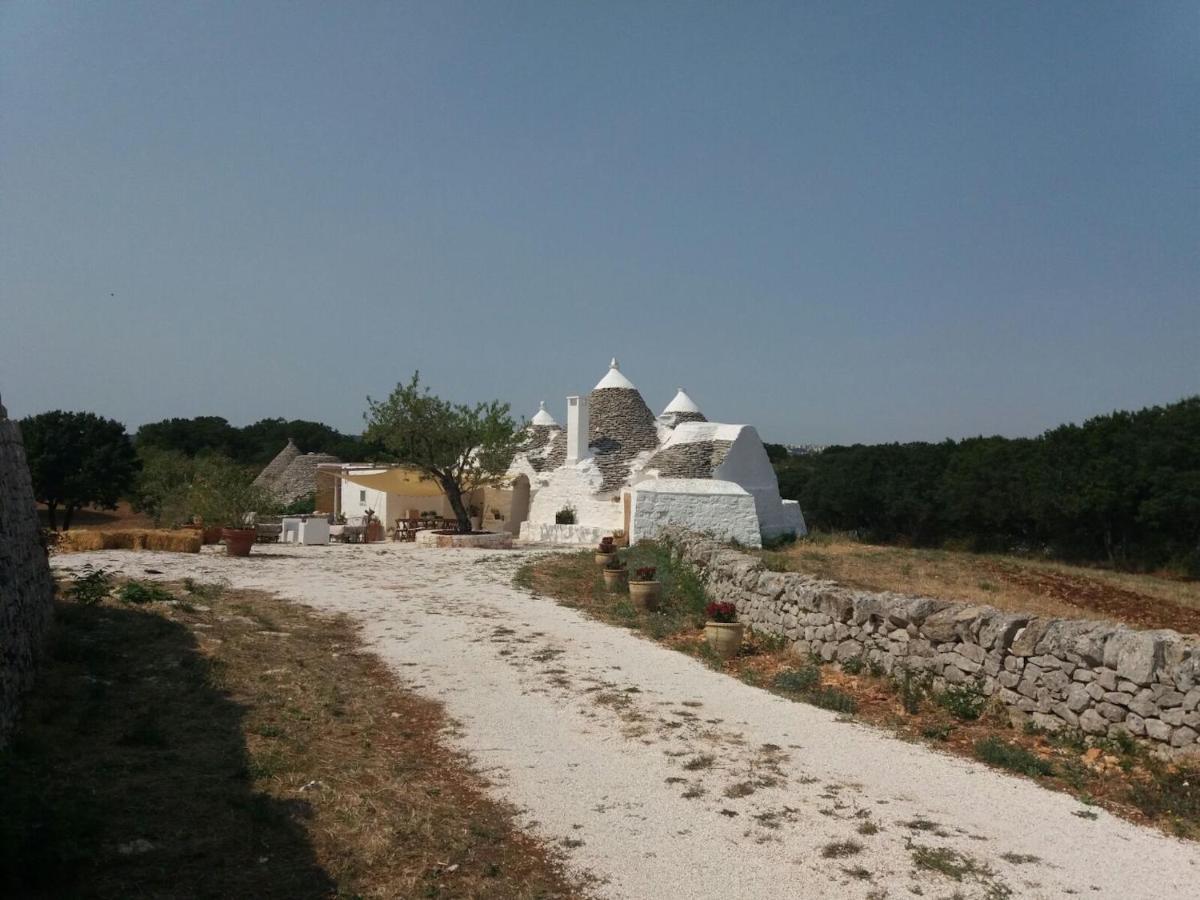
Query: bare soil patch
(227,744)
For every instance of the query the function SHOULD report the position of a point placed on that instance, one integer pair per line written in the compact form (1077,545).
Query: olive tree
(460,447)
(78,459)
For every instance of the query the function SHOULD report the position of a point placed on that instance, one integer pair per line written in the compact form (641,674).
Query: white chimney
(577,429)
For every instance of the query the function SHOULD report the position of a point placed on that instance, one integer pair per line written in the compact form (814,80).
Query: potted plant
(644,588)
(475,514)
(615,573)
(373,529)
(223,493)
(722,630)
(605,551)
(619,538)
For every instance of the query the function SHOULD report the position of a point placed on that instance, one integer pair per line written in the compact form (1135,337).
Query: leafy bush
(139,592)
(300,506)
(832,698)
(912,688)
(724,611)
(1013,757)
(964,701)
(565,516)
(799,681)
(854,665)
(91,586)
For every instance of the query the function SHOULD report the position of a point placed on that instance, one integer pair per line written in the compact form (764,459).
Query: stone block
(1184,737)
(1092,722)
(1158,730)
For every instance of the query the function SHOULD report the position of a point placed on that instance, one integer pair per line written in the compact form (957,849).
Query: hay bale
(159,540)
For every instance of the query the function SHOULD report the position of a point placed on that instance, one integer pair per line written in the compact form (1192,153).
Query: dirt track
(665,779)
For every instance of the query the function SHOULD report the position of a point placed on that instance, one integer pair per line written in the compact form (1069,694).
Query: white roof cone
(614,378)
(681,404)
(543,417)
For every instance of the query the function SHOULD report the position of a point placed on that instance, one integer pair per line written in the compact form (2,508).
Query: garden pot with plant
(615,573)
(722,630)
(221,491)
(645,589)
(605,553)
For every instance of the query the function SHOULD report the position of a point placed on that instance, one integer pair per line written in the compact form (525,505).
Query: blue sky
(836,221)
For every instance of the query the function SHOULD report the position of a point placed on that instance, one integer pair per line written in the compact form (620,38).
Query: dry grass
(1020,585)
(181,541)
(232,745)
(1121,776)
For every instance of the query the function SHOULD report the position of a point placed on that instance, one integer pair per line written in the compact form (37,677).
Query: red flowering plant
(721,612)
(646,573)
(606,545)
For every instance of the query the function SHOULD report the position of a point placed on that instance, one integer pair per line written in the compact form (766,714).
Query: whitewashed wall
(575,486)
(746,464)
(718,508)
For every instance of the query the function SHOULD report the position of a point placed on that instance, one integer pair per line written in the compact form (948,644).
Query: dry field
(190,741)
(1008,582)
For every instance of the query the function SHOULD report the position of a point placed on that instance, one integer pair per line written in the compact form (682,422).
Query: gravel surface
(664,779)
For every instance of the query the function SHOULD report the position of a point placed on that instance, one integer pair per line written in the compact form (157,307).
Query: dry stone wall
(26,591)
(1095,676)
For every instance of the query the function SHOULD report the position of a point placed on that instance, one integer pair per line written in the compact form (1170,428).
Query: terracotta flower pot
(725,638)
(646,594)
(238,541)
(614,579)
(603,558)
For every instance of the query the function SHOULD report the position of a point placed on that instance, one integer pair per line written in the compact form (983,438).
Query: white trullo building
(619,467)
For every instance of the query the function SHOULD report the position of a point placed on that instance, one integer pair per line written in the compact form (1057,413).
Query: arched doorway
(519,510)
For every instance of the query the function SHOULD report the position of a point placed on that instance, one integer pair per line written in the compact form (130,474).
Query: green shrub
(912,688)
(139,592)
(91,586)
(1015,758)
(832,698)
(854,665)
(798,681)
(964,701)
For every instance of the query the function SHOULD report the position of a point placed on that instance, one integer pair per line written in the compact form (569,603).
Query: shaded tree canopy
(460,447)
(1123,488)
(251,445)
(78,459)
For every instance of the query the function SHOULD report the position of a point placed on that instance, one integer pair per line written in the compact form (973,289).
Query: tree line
(1122,488)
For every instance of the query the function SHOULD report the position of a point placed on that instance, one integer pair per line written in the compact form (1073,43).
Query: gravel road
(663,779)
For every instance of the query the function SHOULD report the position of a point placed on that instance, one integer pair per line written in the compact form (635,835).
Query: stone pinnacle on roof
(614,378)
(543,417)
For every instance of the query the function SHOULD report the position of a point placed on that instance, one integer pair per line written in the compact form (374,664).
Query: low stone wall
(1096,676)
(26,590)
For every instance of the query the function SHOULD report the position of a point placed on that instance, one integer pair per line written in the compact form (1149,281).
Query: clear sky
(837,221)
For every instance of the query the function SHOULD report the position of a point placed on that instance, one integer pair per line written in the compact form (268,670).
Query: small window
(362,496)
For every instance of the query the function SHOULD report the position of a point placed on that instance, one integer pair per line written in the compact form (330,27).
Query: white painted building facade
(616,466)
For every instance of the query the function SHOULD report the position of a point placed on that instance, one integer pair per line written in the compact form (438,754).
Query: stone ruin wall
(26,589)
(1096,676)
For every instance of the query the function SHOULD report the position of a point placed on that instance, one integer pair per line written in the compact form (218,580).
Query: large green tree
(78,459)
(460,447)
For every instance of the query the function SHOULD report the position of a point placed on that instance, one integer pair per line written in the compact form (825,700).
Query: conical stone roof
(300,477)
(621,427)
(542,417)
(276,467)
(682,409)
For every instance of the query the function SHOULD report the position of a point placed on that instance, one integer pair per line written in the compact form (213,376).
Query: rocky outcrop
(26,589)
(1096,676)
